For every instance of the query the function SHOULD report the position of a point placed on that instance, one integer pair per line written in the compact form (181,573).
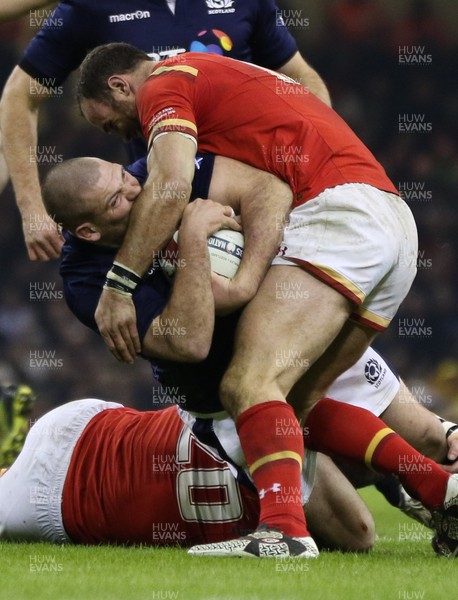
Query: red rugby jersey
(142,477)
(259,117)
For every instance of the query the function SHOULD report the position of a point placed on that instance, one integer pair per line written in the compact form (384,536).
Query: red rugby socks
(349,432)
(273,444)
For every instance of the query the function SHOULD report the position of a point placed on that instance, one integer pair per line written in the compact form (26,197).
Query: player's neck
(145,70)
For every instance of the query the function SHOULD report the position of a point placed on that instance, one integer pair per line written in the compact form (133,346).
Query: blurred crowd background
(391,70)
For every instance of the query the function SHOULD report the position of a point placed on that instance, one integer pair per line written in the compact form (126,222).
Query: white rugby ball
(226,251)
(224,246)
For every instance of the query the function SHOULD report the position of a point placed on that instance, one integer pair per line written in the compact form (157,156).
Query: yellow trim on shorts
(275,456)
(372,317)
(340,279)
(378,437)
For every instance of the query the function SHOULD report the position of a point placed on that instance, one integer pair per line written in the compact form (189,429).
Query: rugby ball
(226,251)
(224,246)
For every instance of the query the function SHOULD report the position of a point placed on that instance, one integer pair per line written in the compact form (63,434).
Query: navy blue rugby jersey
(250,30)
(83,268)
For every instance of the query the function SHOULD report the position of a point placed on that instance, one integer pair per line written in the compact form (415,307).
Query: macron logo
(139,14)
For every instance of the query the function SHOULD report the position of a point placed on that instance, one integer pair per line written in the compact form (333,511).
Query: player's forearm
(264,215)
(316,85)
(302,72)
(19,149)
(157,211)
(154,219)
(18,121)
(184,330)
(262,240)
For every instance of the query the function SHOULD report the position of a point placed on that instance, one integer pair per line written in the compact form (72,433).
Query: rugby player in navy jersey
(250,30)
(84,266)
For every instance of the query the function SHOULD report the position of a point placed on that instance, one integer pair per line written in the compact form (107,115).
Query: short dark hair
(103,62)
(64,189)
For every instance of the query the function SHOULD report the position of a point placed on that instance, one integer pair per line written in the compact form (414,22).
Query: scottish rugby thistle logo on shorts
(374,372)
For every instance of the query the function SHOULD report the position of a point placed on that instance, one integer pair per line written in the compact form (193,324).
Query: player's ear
(88,232)
(119,85)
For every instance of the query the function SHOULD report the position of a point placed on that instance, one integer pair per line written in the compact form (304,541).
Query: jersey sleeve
(60,45)
(165,102)
(202,173)
(139,170)
(83,269)
(272,44)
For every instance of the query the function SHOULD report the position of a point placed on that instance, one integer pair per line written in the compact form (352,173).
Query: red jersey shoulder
(164,101)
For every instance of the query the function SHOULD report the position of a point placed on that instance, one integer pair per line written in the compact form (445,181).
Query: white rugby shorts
(369,384)
(361,241)
(31,490)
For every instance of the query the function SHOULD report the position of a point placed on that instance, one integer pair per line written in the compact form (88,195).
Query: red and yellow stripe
(172,125)
(377,441)
(186,70)
(273,457)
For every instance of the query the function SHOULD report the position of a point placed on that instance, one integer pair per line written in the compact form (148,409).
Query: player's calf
(337,517)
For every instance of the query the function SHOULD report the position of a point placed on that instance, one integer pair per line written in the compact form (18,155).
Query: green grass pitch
(402,566)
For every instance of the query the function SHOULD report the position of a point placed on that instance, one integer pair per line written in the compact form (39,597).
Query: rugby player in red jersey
(94,472)
(99,211)
(341,197)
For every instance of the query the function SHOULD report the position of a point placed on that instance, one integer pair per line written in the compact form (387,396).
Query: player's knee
(231,393)
(356,535)
(240,390)
(360,535)
(363,537)
(360,530)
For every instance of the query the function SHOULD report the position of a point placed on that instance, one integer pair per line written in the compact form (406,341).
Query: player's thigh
(284,329)
(416,424)
(350,344)
(336,515)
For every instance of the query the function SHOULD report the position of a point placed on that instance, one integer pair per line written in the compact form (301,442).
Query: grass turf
(402,566)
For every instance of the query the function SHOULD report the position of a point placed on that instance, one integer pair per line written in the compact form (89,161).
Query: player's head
(109,78)
(91,198)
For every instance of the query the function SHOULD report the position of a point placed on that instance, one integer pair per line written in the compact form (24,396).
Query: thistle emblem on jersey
(216,7)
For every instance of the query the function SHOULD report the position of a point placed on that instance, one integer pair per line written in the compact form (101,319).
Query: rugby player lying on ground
(83,268)
(94,472)
(191,493)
